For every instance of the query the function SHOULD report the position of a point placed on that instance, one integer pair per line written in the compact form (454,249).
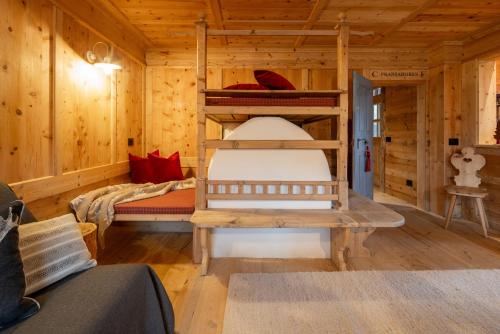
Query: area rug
(459,301)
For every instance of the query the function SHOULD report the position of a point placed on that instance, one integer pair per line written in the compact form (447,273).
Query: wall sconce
(104,63)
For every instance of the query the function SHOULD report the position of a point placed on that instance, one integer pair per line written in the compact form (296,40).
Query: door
(362,120)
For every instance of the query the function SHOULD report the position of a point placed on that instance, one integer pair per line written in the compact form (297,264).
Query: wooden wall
(66,124)
(400,124)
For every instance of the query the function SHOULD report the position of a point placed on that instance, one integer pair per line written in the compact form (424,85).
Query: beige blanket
(97,206)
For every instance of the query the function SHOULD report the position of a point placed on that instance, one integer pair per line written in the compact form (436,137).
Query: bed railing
(272,190)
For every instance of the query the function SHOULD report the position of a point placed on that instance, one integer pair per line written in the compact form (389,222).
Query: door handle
(363,140)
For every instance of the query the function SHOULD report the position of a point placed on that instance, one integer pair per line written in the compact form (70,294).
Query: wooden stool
(477,194)
(89,233)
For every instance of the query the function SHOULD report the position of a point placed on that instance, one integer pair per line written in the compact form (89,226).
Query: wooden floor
(199,301)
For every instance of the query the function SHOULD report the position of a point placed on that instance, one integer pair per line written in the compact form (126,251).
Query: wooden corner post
(201,82)
(342,84)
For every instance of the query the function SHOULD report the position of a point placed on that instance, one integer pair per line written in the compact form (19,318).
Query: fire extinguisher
(368,164)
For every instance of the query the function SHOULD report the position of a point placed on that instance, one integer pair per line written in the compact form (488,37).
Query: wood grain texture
(400,123)
(68,123)
(85,103)
(129,108)
(414,23)
(25,96)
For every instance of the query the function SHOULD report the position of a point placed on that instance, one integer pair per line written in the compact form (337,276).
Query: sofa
(125,298)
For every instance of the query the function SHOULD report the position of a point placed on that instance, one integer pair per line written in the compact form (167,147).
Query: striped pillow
(51,250)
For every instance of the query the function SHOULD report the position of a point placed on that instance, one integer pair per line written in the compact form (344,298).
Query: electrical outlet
(388,139)
(131,142)
(453,141)
(409,183)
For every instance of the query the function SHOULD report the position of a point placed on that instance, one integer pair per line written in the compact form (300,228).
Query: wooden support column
(201,83)
(342,84)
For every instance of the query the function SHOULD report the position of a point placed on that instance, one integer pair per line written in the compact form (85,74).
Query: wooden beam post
(201,85)
(342,84)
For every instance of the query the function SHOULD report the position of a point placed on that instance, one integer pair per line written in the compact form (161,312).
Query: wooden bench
(349,229)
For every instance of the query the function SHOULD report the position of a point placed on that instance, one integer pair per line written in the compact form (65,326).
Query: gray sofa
(106,299)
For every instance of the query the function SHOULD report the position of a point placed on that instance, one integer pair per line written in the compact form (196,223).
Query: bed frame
(339,219)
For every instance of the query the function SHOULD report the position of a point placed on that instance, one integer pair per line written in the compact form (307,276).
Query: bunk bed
(351,217)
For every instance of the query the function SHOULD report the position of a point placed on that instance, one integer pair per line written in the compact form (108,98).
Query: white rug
(460,301)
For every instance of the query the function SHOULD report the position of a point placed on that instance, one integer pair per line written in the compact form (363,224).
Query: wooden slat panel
(237,110)
(283,32)
(47,186)
(273,197)
(25,95)
(400,123)
(273,144)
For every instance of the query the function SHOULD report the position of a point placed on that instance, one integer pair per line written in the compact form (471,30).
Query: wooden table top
(362,212)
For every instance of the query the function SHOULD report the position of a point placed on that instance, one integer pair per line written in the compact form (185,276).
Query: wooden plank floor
(199,301)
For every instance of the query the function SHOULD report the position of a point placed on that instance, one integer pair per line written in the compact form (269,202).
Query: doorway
(395,144)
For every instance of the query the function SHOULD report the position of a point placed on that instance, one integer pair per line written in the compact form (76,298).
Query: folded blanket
(97,206)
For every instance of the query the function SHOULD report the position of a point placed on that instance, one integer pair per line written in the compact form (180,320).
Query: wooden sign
(384,75)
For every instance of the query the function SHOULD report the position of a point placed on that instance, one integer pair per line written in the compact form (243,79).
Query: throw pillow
(167,169)
(7,196)
(51,250)
(14,307)
(272,80)
(141,169)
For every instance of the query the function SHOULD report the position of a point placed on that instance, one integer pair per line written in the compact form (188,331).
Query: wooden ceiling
(395,23)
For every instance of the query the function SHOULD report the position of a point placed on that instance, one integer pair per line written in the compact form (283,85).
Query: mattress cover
(272,101)
(175,202)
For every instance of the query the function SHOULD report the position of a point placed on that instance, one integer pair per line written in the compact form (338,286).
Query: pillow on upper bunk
(247,86)
(166,169)
(272,80)
(141,169)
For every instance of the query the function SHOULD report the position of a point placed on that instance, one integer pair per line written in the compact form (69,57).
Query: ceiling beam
(424,6)
(483,43)
(313,17)
(216,10)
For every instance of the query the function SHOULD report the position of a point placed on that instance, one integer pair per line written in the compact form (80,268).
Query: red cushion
(272,80)
(166,169)
(247,86)
(141,169)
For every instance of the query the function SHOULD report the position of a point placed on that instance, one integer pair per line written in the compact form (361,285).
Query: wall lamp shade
(105,63)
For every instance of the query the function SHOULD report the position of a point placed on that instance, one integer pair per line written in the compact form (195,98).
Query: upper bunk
(297,106)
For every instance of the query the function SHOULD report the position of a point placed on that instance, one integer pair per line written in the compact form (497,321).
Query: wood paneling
(400,123)
(319,58)
(172,114)
(25,96)
(66,123)
(129,108)
(412,23)
(85,96)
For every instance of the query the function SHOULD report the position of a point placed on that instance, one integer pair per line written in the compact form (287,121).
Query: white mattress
(275,165)
(286,165)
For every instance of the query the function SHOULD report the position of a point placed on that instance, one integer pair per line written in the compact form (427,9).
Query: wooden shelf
(273,144)
(272,110)
(271,93)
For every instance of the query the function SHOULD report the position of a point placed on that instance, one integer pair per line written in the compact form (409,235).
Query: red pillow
(247,86)
(272,80)
(166,169)
(141,169)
